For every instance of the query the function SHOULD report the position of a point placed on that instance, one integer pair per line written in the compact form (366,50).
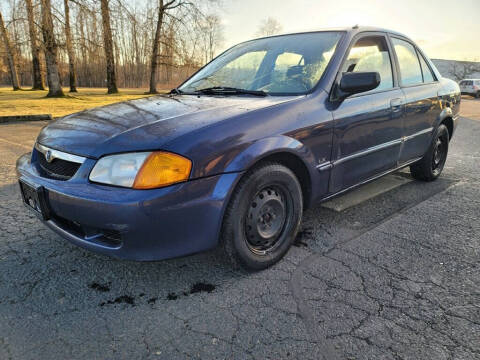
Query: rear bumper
(135,224)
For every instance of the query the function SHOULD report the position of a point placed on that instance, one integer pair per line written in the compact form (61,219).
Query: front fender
(268,146)
(263,148)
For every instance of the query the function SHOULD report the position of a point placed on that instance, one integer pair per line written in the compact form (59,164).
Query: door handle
(396,104)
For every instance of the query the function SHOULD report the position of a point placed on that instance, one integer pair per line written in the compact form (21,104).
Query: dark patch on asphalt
(124,299)
(152,300)
(302,235)
(196,288)
(172,296)
(99,287)
(202,287)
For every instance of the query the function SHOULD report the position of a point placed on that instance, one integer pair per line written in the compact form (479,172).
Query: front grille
(58,168)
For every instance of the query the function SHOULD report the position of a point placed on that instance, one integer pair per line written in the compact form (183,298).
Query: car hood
(144,124)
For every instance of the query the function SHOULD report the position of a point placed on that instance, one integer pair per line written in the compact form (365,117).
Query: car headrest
(295,70)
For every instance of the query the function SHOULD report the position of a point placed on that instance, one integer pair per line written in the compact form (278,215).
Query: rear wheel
(431,165)
(477,95)
(263,217)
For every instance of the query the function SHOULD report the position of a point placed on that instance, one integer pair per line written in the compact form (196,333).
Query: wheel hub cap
(265,219)
(437,157)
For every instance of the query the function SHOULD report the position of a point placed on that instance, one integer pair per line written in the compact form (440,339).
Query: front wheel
(431,165)
(263,217)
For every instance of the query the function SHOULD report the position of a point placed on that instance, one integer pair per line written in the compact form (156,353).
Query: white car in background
(470,87)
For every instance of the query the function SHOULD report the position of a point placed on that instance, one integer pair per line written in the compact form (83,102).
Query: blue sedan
(233,156)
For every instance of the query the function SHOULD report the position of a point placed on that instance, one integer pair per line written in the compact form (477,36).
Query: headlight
(142,170)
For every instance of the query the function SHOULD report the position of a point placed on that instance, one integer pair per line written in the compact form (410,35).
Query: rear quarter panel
(450,98)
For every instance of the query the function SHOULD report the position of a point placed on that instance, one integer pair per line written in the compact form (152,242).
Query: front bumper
(134,224)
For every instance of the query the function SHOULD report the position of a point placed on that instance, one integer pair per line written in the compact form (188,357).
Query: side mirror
(356,82)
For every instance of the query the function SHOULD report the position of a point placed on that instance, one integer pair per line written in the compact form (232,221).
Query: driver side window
(371,54)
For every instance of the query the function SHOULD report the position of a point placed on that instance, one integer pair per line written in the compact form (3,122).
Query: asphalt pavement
(394,276)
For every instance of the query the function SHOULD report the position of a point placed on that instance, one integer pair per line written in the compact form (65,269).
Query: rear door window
(410,70)
(427,73)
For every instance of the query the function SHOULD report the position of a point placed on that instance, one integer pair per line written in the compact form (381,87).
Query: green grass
(28,102)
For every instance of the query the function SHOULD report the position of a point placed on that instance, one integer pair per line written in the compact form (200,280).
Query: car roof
(359,29)
(352,30)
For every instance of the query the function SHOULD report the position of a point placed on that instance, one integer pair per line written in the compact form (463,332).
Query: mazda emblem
(48,156)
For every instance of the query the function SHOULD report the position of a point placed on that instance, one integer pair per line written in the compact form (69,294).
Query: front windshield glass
(282,65)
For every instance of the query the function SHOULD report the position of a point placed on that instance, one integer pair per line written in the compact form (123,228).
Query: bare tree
(37,78)
(108,46)
(70,52)
(185,41)
(269,27)
(53,77)
(163,9)
(212,30)
(10,55)
(156,45)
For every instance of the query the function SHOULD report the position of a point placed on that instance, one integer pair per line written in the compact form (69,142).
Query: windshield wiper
(176,91)
(223,90)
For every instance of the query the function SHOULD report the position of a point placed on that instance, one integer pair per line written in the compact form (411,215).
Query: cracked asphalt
(395,277)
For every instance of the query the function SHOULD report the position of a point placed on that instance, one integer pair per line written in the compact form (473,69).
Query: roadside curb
(41,117)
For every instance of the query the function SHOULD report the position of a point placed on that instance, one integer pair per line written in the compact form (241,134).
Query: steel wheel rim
(266,219)
(439,154)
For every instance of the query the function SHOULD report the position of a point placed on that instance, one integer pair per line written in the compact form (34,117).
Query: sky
(444,29)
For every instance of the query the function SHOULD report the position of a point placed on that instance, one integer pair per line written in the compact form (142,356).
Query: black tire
(477,95)
(431,165)
(262,217)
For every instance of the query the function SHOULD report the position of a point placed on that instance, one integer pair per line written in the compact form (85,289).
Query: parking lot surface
(394,276)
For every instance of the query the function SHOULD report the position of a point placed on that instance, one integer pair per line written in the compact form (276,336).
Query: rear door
(368,126)
(422,105)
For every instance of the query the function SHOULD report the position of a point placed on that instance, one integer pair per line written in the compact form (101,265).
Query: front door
(368,126)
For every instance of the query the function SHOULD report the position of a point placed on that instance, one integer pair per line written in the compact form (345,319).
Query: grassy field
(27,102)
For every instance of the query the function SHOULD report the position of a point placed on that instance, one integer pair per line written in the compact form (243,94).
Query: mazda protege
(233,156)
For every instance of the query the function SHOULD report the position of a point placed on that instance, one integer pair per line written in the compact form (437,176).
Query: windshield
(282,65)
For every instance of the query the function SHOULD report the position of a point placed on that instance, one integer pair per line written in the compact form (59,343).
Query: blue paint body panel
(153,224)
(340,144)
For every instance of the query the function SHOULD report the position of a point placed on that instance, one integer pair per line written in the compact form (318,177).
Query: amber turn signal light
(162,169)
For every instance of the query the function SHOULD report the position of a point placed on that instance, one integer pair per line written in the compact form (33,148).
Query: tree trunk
(70,52)
(155,50)
(53,78)
(37,78)
(108,45)
(10,56)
